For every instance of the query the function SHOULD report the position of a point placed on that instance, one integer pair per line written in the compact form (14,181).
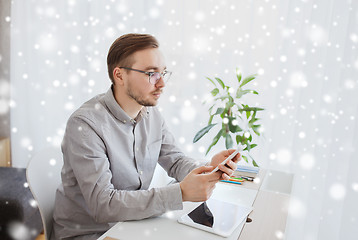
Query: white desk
(269,198)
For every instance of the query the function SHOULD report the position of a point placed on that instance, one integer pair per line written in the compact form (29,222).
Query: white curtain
(304,51)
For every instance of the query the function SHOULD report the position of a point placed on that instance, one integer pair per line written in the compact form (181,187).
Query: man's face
(137,84)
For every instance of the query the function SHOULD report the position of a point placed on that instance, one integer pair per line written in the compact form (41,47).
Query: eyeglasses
(154,77)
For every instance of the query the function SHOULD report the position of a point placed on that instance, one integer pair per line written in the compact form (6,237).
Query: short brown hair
(122,48)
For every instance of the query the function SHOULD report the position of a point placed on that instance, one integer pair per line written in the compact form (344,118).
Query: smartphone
(232,155)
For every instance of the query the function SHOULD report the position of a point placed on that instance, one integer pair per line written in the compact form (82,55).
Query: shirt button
(140,172)
(137,149)
(124,121)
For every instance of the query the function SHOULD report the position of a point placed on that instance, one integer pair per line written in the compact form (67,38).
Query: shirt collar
(118,112)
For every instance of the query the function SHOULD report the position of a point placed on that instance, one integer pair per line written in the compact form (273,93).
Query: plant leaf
(228,141)
(251,109)
(211,108)
(222,97)
(257,132)
(231,102)
(253,120)
(202,132)
(211,81)
(224,112)
(239,139)
(219,111)
(248,79)
(249,147)
(245,158)
(233,128)
(227,89)
(254,115)
(215,140)
(254,162)
(256,128)
(252,146)
(220,82)
(248,113)
(210,119)
(241,92)
(238,75)
(215,91)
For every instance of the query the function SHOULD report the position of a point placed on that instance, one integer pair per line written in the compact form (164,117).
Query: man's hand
(198,187)
(228,169)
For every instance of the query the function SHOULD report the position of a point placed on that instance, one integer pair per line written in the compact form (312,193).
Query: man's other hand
(198,187)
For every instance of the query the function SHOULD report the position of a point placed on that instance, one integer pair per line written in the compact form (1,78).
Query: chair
(43,175)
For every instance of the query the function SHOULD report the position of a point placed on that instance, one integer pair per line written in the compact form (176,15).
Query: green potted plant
(238,120)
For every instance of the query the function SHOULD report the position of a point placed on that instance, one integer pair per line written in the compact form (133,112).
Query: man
(112,144)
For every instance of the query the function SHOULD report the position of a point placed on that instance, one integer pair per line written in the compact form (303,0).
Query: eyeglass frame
(150,74)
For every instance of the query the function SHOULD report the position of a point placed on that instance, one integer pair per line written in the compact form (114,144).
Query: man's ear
(118,76)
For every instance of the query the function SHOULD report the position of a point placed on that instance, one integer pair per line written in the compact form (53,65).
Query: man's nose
(160,83)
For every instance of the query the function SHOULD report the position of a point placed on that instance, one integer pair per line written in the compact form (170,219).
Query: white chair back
(43,175)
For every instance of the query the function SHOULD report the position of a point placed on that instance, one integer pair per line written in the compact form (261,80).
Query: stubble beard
(139,99)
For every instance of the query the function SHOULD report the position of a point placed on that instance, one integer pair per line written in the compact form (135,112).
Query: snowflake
(298,79)
(354,37)
(199,16)
(18,230)
(355,187)
(297,209)
(307,161)
(317,35)
(187,113)
(283,58)
(337,191)
(154,12)
(302,135)
(284,156)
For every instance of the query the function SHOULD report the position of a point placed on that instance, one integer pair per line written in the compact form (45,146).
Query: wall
(304,51)
(5,9)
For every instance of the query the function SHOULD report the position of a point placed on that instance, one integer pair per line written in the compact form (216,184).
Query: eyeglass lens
(154,78)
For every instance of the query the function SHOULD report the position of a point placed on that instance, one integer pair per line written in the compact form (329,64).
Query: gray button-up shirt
(109,161)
